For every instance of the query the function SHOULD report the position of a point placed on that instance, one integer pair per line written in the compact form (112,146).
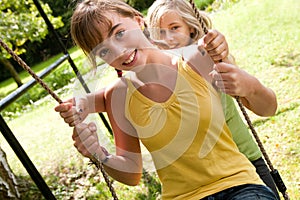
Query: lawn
(264,37)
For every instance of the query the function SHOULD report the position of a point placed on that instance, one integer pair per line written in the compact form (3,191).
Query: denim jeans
(244,192)
(264,173)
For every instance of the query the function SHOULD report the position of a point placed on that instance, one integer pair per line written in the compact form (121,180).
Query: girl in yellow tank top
(180,147)
(154,103)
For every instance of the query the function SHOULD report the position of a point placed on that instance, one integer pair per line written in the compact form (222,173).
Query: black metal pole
(25,87)
(75,69)
(23,157)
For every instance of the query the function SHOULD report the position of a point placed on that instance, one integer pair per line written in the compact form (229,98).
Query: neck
(160,69)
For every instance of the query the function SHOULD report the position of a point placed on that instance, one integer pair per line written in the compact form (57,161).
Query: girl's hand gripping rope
(215,44)
(86,141)
(73,111)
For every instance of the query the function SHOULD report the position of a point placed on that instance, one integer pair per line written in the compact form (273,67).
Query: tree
(140,5)
(8,182)
(20,22)
(12,71)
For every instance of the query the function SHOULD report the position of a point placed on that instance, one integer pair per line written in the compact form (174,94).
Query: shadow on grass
(153,186)
(83,183)
(281,111)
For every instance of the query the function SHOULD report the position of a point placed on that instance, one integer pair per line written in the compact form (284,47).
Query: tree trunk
(8,182)
(12,71)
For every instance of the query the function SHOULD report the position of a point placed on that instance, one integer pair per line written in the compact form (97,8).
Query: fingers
(81,104)
(82,108)
(63,107)
(225,86)
(216,45)
(213,39)
(84,130)
(92,127)
(227,78)
(219,76)
(85,138)
(71,116)
(69,112)
(66,105)
(219,53)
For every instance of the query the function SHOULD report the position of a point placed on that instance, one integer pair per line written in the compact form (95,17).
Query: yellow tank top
(188,139)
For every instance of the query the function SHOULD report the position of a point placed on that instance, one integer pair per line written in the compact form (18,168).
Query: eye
(174,28)
(162,33)
(103,52)
(119,34)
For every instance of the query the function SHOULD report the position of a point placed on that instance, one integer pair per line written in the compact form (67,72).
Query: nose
(169,36)
(116,51)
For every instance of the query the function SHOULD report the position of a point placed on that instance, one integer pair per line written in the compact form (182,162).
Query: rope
(27,68)
(98,164)
(198,16)
(254,133)
(275,174)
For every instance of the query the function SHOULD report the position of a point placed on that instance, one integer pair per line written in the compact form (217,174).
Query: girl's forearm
(262,101)
(123,168)
(96,101)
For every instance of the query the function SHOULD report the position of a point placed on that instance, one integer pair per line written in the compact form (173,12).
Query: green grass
(9,85)
(264,37)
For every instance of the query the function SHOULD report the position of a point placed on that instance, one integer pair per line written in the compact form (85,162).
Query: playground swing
(275,174)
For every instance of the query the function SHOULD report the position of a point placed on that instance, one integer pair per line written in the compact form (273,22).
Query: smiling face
(174,30)
(124,42)
(105,25)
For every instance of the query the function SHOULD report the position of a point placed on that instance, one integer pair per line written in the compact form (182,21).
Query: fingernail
(93,128)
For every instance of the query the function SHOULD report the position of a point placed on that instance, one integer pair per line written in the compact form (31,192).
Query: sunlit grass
(264,37)
(9,85)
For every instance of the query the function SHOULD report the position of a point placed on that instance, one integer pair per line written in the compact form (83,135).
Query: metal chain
(97,163)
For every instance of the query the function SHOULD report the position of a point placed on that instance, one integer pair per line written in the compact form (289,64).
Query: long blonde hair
(183,8)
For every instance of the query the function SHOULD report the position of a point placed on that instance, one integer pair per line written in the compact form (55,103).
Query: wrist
(254,89)
(102,155)
(90,103)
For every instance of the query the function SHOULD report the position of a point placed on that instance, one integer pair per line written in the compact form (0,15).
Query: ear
(192,32)
(140,21)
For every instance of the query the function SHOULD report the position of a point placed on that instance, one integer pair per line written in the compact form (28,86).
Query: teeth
(130,58)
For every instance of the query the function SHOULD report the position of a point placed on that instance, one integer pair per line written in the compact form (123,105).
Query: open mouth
(131,58)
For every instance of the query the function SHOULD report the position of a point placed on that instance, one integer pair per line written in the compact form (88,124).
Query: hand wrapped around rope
(96,162)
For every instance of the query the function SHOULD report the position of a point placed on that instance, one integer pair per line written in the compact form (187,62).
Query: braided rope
(98,164)
(198,16)
(280,183)
(254,133)
(28,69)
(237,98)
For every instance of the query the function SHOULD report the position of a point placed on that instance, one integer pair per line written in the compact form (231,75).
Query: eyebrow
(113,28)
(173,23)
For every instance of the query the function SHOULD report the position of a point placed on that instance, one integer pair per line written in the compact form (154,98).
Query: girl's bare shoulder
(118,87)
